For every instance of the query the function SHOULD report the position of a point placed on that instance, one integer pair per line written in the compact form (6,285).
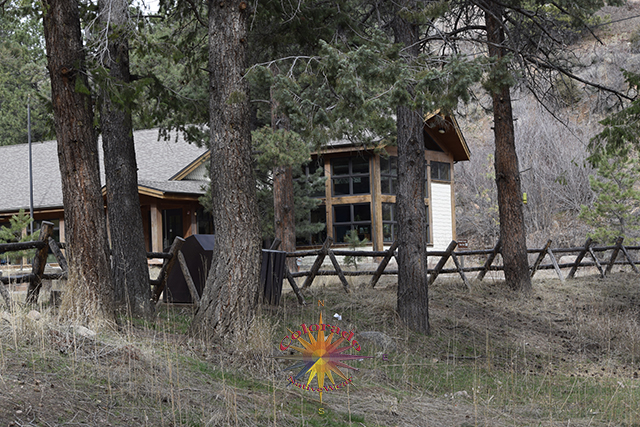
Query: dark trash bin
(272,274)
(197,250)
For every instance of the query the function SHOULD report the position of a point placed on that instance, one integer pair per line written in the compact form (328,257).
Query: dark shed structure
(197,251)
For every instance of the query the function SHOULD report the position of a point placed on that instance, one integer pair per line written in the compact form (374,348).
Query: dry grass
(567,355)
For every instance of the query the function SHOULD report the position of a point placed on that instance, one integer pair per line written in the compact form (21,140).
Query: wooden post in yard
(628,256)
(187,277)
(383,265)
(489,261)
(541,255)
(614,254)
(39,263)
(62,261)
(442,261)
(343,279)
(595,259)
(166,268)
(322,253)
(579,259)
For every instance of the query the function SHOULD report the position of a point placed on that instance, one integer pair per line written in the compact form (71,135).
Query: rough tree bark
(283,210)
(231,292)
(512,229)
(89,294)
(129,263)
(413,298)
(283,199)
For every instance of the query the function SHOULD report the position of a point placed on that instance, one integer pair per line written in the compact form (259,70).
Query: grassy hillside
(568,355)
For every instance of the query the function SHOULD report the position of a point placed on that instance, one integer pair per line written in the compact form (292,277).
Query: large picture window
(350,176)
(352,217)
(390,223)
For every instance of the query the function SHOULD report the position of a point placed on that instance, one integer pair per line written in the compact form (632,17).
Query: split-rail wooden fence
(585,256)
(46,242)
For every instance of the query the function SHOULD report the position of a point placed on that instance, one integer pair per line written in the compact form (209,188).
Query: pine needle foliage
(615,212)
(15,232)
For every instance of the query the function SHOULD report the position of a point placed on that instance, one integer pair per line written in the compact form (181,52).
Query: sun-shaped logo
(320,356)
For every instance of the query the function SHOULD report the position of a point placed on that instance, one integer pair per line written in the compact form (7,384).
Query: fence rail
(619,255)
(46,242)
(587,255)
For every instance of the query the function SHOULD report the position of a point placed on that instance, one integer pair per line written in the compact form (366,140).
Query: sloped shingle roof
(158,161)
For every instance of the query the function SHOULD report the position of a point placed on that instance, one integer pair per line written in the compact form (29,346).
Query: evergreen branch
(550,66)
(563,10)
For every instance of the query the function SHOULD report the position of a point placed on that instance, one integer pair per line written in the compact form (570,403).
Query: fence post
(579,259)
(489,261)
(442,262)
(628,256)
(555,264)
(541,256)
(317,263)
(62,261)
(294,286)
(383,265)
(39,263)
(166,268)
(187,277)
(459,266)
(595,259)
(614,255)
(343,279)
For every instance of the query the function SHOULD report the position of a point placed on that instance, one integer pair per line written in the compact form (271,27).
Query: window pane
(384,185)
(360,184)
(440,171)
(394,186)
(388,234)
(384,165)
(394,166)
(340,186)
(387,214)
(340,166)
(361,213)
(445,172)
(340,232)
(364,231)
(359,165)
(315,165)
(319,215)
(342,213)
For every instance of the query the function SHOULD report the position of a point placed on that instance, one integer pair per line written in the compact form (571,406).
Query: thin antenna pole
(30,164)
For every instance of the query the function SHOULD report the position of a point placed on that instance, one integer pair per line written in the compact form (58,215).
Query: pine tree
(23,77)
(15,233)
(615,212)
(89,294)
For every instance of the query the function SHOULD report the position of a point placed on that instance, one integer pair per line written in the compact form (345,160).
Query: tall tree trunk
(283,210)
(130,269)
(283,198)
(413,300)
(512,229)
(89,293)
(231,292)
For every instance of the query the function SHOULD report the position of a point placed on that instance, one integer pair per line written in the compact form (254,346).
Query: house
(172,175)
(360,188)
